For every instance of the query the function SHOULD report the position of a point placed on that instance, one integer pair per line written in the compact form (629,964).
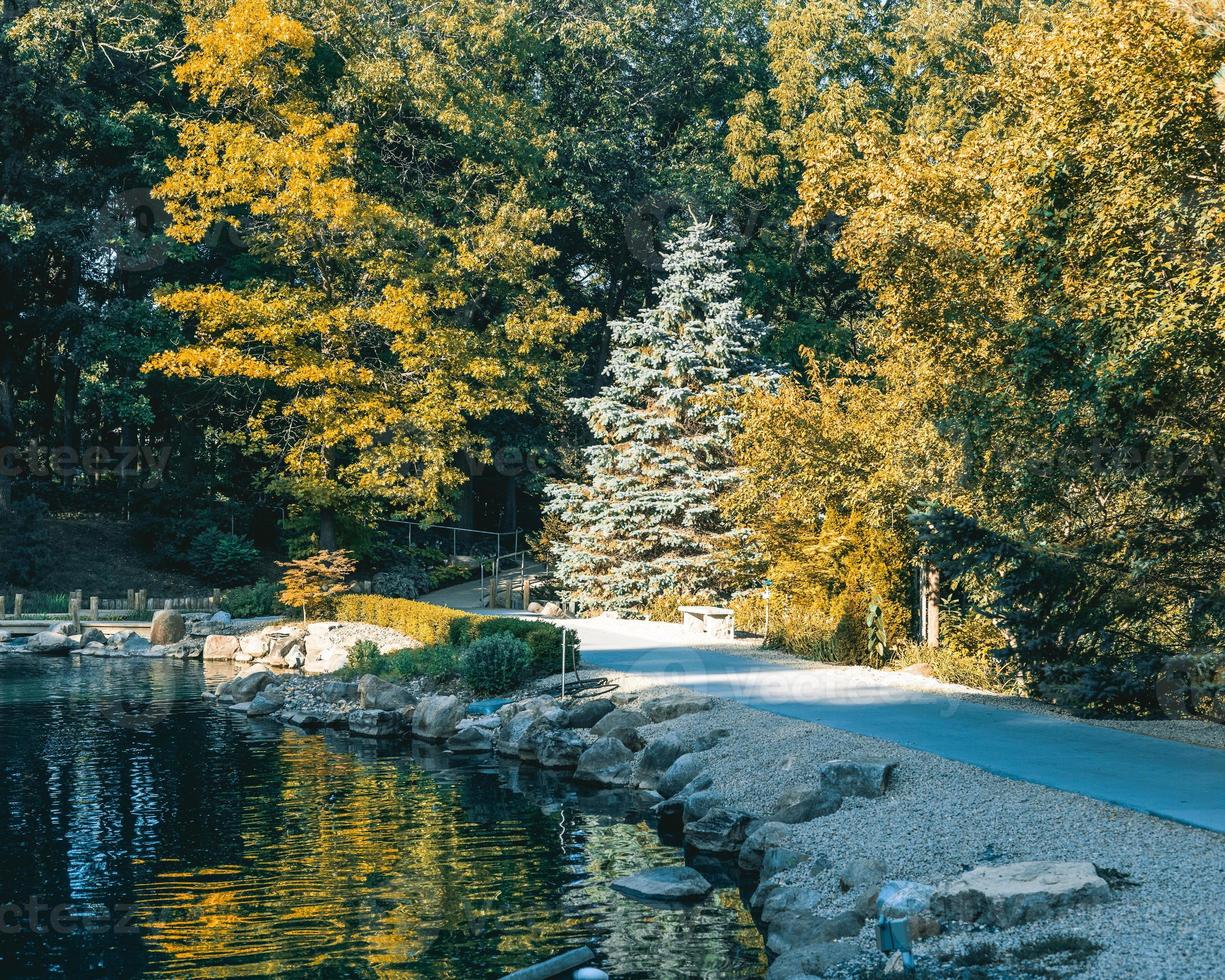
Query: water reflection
(203,843)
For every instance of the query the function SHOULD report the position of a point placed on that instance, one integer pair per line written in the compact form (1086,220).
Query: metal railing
(460,542)
(511,577)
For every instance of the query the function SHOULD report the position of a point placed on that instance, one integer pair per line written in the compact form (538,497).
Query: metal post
(454,545)
(563,662)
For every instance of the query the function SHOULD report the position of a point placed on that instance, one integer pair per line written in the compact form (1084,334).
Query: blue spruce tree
(646,519)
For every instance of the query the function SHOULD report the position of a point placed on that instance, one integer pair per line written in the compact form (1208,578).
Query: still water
(144,832)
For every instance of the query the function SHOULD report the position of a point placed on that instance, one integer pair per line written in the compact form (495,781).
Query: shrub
(366,658)
(402,582)
(223,559)
(259,599)
(422,621)
(543,641)
(496,663)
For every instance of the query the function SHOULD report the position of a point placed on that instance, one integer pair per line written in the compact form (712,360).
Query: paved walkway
(1174,780)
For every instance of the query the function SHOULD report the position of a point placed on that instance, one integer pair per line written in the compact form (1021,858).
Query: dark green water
(144,832)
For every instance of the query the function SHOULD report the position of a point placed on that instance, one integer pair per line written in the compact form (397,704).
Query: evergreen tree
(647,519)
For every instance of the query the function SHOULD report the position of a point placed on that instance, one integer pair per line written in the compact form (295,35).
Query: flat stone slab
(1009,894)
(664,885)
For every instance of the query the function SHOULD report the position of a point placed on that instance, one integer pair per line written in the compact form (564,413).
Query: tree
(368,332)
(313,583)
(647,519)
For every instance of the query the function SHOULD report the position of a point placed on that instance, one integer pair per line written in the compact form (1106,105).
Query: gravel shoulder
(940,818)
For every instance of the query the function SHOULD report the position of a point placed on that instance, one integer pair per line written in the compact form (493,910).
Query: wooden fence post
(74,614)
(17,601)
(2,601)
(94,605)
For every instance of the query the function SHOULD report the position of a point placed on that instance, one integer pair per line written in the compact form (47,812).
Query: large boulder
(664,885)
(329,660)
(658,755)
(437,718)
(1008,894)
(559,748)
(629,737)
(254,645)
(373,723)
(676,705)
(776,860)
(606,763)
(804,927)
(814,960)
(471,740)
(374,692)
(50,644)
(518,732)
(671,811)
(720,831)
(267,702)
(849,778)
(589,713)
(801,805)
(862,877)
(219,647)
(678,775)
(698,804)
(620,718)
(250,682)
(168,627)
(334,691)
(94,635)
(764,836)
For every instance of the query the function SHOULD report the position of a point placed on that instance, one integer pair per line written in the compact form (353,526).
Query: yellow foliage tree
(372,335)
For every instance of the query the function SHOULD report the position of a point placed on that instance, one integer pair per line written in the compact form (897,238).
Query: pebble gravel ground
(940,818)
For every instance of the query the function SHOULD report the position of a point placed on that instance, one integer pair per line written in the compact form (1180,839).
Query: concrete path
(1174,780)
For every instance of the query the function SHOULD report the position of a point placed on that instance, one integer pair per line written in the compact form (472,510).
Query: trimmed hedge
(430,624)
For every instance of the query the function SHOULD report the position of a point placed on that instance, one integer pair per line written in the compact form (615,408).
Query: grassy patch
(1117,879)
(1069,949)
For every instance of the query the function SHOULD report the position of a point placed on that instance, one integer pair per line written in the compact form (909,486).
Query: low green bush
(402,582)
(366,658)
(543,641)
(496,663)
(260,599)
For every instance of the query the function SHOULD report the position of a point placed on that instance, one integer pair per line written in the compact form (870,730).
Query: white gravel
(940,818)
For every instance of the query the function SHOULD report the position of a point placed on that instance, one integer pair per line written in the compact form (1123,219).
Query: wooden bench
(711,620)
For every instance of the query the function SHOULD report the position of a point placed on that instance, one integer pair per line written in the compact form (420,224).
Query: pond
(145,832)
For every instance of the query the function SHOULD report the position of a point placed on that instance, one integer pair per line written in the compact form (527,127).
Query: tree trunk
(327,529)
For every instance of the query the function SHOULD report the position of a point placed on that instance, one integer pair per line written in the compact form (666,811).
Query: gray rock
(672,809)
(698,804)
(471,739)
(664,885)
(676,705)
(720,831)
(606,763)
(816,960)
(588,713)
(49,644)
(763,837)
(1008,894)
(849,778)
(374,692)
(334,691)
(168,627)
(620,718)
(218,647)
(513,734)
(795,929)
(679,774)
(266,702)
(789,898)
(95,635)
(658,755)
(629,737)
(438,717)
(373,723)
(778,859)
(860,873)
(710,739)
(249,683)
(801,805)
(220,616)
(559,748)
(303,719)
